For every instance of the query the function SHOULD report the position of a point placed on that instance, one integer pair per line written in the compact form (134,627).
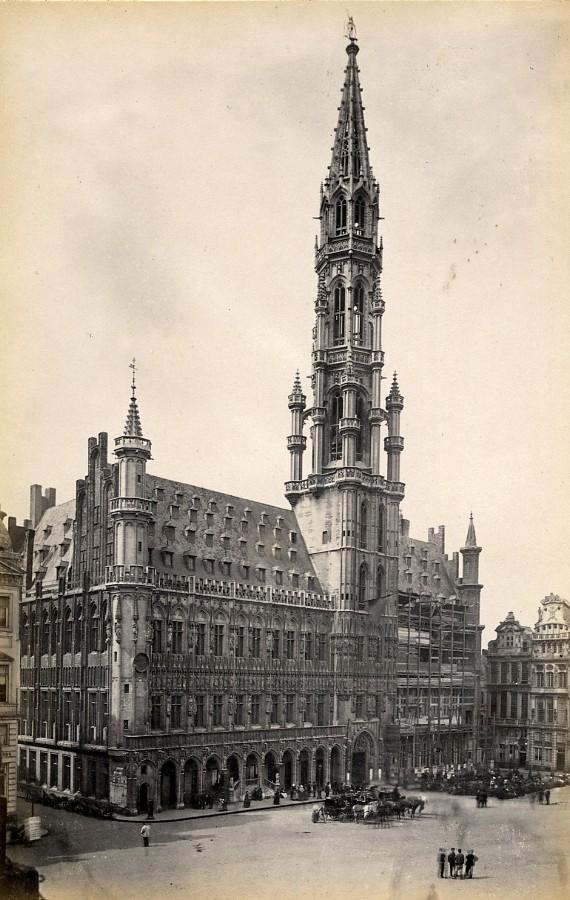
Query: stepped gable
(53,542)
(216,535)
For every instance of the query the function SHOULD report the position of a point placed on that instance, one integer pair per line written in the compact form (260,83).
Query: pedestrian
(459,860)
(276,797)
(441,860)
(547,795)
(470,861)
(327,789)
(541,796)
(451,861)
(145,834)
(246,800)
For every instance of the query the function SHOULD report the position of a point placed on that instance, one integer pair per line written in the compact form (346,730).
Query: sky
(160,177)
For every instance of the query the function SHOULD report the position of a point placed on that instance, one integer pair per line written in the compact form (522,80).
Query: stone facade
(178,641)
(13,549)
(526,690)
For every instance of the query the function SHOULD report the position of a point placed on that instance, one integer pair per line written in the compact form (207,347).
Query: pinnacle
(471,539)
(133,427)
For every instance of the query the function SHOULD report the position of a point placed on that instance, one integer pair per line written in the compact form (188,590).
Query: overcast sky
(161,166)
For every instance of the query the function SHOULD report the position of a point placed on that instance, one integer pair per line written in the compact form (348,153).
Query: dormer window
(293,537)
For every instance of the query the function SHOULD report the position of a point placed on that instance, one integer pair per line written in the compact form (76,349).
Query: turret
(131,510)
(296,441)
(394,443)
(470,553)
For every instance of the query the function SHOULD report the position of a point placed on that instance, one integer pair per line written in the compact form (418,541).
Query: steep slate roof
(53,542)
(194,522)
(411,561)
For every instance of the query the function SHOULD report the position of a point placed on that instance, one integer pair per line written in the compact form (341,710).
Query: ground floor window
(66,773)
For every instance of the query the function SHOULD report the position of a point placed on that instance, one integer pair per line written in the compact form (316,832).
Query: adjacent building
(177,640)
(526,690)
(13,549)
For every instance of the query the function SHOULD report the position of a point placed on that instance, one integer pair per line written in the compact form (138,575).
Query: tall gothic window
(359,214)
(359,416)
(381,528)
(340,216)
(380,583)
(358,323)
(334,436)
(67,631)
(363,572)
(339,314)
(363,526)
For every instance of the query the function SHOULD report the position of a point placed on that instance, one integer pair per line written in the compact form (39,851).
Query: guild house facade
(177,640)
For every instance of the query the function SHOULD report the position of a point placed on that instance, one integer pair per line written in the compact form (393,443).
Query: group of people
(481,797)
(460,864)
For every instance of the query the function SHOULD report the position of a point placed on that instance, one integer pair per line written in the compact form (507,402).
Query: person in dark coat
(547,795)
(327,789)
(451,861)
(441,860)
(459,861)
(470,861)
(276,797)
(246,800)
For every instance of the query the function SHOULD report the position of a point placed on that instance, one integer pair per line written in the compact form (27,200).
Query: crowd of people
(457,864)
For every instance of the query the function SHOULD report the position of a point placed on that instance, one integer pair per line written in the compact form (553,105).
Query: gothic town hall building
(177,640)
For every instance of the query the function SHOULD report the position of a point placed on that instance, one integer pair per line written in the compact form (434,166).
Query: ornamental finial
(133,366)
(351,30)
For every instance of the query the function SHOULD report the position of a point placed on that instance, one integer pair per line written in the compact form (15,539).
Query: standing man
(441,859)
(470,861)
(547,795)
(459,860)
(451,861)
(145,834)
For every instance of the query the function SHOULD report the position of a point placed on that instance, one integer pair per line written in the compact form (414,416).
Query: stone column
(180,788)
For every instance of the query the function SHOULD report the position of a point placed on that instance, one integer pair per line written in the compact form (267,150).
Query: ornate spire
(350,150)
(297,389)
(133,426)
(471,539)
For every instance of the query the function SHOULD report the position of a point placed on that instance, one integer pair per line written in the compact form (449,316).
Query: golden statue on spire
(351,29)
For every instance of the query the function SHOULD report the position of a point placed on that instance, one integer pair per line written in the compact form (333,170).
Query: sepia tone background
(160,174)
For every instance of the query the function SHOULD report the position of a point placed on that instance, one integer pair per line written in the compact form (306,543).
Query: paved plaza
(280,854)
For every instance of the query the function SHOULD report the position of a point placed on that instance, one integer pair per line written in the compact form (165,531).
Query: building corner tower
(129,585)
(346,508)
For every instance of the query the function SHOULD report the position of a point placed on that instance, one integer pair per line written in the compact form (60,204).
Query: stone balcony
(211,737)
(130,504)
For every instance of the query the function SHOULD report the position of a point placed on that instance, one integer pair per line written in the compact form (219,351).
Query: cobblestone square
(268,854)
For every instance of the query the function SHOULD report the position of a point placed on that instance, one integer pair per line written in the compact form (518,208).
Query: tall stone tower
(128,581)
(347,508)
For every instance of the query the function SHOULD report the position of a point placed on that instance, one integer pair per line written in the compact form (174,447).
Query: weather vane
(133,366)
(350,29)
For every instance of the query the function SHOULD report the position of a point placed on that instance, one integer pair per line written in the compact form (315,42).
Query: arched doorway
(287,769)
(270,769)
(190,781)
(143,797)
(304,769)
(252,771)
(320,767)
(232,765)
(362,758)
(168,785)
(212,774)
(337,774)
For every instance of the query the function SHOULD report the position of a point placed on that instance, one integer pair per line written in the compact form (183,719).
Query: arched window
(339,314)
(93,629)
(24,635)
(44,641)
(340,216)
(78,624)
(359,214)
(67,631)
(381,528)
(362,574)
(358,321)
(53,633)
(335,439)
(363,526)
(157,635)
(344,152)
(359,416)
(32,634)
(380,583)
